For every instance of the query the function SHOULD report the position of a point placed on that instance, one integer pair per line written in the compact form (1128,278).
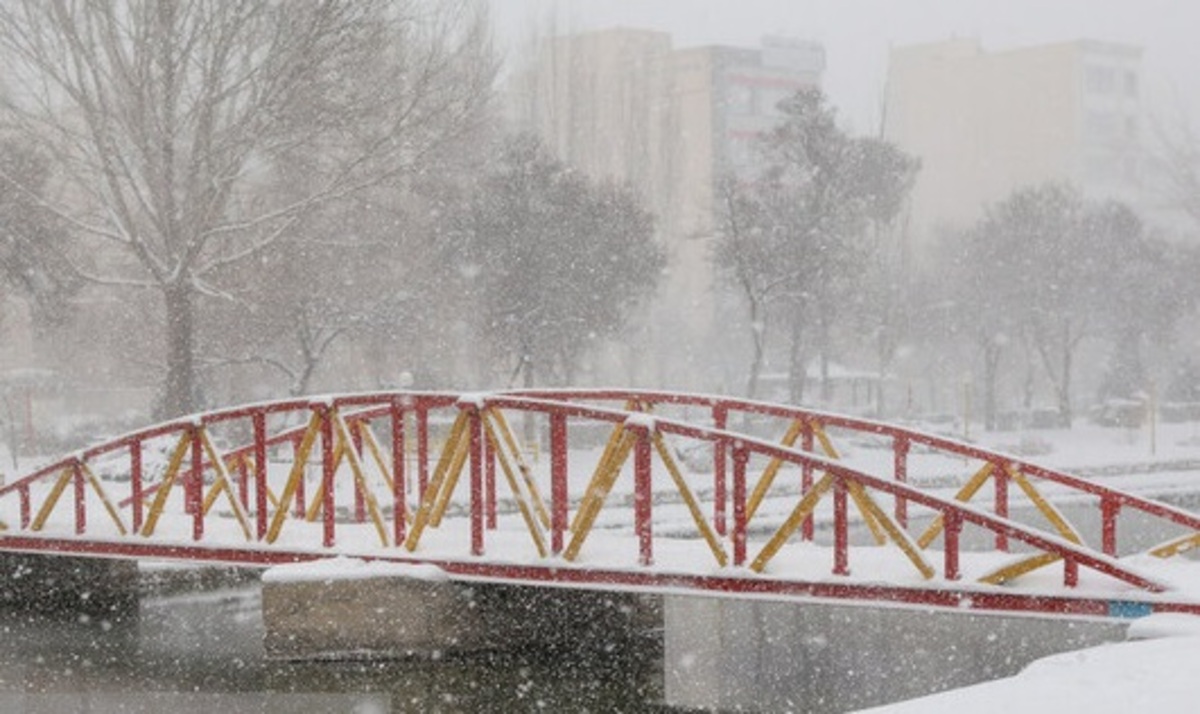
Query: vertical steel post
(1000,482)
(806,479)
(558,480)
(952,524)
(399,498)
(80,500)
(360,500)
(422,449)
(642,496)
(194,493)
(489,482)
(476,447)
(328,502)
(841,535)
(260,474)
(740,458)
(1109,508)
(720,419)
(135,484)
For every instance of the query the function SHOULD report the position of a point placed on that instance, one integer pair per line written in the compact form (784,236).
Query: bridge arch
(390,466)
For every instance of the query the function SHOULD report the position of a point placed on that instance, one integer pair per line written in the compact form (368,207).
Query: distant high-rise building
(985,123)
(626,104)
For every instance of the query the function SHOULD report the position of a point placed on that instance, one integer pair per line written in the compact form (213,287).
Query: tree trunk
(758,330)
(797,364)
(823,323)
(1065,417)
(991,370)
(179,392)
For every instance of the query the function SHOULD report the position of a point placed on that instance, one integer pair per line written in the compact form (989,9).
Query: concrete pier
(388,610)
(757,655)
(51,584)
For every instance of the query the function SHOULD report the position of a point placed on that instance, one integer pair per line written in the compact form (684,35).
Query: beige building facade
(626,104)
(985,123)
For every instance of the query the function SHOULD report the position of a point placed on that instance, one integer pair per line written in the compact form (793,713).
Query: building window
(1103,126)
(770,99)
(740,99)
(1131,83)
(1100,80)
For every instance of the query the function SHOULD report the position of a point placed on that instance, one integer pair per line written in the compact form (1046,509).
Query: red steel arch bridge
(617,489)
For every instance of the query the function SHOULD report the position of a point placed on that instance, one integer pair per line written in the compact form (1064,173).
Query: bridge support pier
(759,655)
(69,586)
(422,613)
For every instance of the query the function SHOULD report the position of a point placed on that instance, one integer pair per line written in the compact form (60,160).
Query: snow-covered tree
(168,122)
(794,240)
(553,262)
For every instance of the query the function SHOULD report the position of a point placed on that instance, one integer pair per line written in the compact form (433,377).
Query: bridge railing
(358,443)
(811,428)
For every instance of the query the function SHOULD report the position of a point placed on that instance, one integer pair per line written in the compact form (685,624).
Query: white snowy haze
(857,34)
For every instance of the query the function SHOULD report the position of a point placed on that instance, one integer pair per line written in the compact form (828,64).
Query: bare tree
(795,238)
(552,260)
(169,121)
(31,238)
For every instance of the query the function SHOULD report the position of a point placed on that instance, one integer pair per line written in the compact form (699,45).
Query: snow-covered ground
(1154,672)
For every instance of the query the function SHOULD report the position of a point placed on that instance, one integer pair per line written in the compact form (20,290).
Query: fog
(857,35)
(769,198)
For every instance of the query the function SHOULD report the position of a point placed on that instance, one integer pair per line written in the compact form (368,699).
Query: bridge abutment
(68,585)
(761,655)
(416,611)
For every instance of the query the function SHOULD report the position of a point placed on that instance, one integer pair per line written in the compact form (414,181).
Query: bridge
(632,489)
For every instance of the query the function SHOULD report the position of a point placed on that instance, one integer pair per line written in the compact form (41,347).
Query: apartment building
(627,104)
(984,123)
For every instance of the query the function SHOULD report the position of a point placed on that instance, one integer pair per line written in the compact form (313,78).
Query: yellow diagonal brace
(55,493)
(462,449)
(1019,568)
(108,506)
(368,439)
(526,474)
(295,476)
(610,448)
(769,473)
(690,500)
(874,514)
(1176,546)
(346,446)
(864,503)
(458,433)
(803,510)
(1052,514)
(968,491)
(221,483)
(823,438)
(377,455)
(167,483)
(535,531)
(598,489)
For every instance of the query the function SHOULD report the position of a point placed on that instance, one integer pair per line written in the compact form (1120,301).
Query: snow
(343,568)
(1147,675)
(639,420)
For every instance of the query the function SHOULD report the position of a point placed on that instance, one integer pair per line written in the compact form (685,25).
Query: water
(203,653)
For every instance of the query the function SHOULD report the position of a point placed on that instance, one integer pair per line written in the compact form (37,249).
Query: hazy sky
(857,33)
